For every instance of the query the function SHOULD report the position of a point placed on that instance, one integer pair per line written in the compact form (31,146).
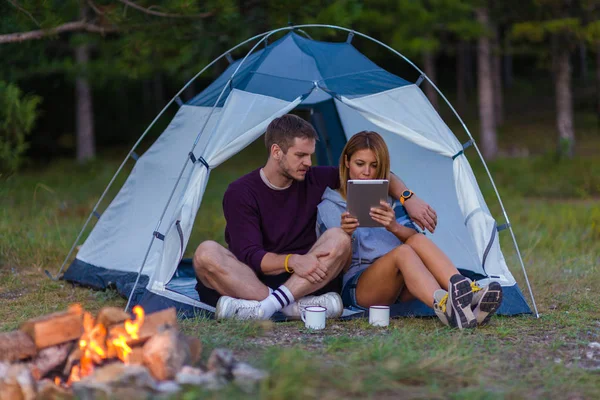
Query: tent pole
(225,86)
(135,146)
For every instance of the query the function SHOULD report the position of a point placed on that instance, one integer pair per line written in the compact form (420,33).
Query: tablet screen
(364,194)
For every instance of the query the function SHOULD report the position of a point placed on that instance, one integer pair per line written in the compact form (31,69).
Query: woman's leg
(383,281)
(434,259)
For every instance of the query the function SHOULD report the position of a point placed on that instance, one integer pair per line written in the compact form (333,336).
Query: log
(54,329)
(16,345)
(151,326)
(165,353)
(195,349)
(49,359)
(110,316)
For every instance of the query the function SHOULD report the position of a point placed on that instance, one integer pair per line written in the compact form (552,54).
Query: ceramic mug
(314,317)
(379,315)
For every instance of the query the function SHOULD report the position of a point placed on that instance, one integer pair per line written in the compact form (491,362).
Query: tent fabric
(406,112)
(293,65)
(147,225)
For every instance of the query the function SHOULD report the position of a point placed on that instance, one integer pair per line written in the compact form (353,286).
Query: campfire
(74,354)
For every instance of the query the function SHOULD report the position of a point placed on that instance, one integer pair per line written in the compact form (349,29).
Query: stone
(210,380)
(17,383)
(222,361)
(247,377)
(116,381)
(594,345)
(48,390)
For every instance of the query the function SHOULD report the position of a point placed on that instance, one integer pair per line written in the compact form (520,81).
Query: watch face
(406,193)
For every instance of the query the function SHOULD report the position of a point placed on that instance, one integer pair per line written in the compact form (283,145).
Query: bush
(18,113)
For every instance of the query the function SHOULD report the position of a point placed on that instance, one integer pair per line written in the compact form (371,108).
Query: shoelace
(442,302)
(475,287)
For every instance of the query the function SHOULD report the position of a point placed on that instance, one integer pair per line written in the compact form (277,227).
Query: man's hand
(348,223)
(309,267)
(384,215)
(421,213)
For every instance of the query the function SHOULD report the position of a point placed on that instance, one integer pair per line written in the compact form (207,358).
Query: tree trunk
(583,61)
(564,100)
(461,82)
(598,80)
(489,140)
(508,63)
(429,66)
(497,77)
(85,112)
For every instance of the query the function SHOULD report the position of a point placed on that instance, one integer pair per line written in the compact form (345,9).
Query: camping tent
(138,242)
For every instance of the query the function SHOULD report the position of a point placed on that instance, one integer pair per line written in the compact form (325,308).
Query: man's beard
(286,171)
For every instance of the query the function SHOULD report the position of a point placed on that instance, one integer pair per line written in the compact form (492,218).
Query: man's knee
(206,258)
(341,244)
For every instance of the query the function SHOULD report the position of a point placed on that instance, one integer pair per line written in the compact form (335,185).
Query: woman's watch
(407,194)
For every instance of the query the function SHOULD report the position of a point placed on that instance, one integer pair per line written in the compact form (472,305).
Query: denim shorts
(349,292)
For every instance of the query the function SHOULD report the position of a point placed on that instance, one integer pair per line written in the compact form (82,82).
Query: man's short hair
(283,130)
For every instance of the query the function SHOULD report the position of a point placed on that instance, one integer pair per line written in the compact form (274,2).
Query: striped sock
(278,299)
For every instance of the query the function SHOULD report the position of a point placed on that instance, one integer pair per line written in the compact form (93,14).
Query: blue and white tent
(138,242)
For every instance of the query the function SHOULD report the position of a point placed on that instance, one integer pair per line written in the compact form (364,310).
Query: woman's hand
(384,215)
(348,223)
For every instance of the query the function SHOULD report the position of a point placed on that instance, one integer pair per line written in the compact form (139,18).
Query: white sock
(278,299)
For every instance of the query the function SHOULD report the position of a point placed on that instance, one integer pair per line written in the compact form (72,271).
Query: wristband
(285,265)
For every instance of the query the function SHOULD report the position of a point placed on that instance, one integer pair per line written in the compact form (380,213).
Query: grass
(555,211)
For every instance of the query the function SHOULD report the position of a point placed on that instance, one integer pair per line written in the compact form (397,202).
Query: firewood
(165,353)
(151,326)
(16,345)
(72,360)
(49,358)
(54,329)
(109,316)
(195,349)
(136,357)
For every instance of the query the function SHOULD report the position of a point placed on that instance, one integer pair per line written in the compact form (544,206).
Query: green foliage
(18,113)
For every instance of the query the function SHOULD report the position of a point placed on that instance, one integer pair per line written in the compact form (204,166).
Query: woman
(395,261)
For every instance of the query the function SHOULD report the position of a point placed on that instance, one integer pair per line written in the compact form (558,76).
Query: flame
(95,346)
(133,327)
(57,381)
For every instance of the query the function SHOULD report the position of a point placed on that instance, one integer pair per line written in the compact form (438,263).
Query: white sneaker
(440,301)
(331,301)
(230,308)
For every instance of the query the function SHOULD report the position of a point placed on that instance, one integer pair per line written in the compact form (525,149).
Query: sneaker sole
(489,303)
(460,296)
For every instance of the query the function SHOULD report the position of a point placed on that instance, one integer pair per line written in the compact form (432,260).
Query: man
(275,262)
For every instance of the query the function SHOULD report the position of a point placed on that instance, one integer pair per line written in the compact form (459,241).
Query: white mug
(313,317)
(379,315)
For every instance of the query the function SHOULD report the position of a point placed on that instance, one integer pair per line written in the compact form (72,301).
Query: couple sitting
(277,261)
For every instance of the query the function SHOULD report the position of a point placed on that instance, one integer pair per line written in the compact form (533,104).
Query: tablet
(364,194)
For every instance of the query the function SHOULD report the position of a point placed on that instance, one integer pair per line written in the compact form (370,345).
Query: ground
(554,208)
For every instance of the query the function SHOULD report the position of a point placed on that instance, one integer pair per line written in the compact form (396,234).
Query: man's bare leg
(218,269)
(337,244)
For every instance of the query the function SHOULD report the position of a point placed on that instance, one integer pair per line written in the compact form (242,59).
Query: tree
(485,86)
(122,25)
(558,24)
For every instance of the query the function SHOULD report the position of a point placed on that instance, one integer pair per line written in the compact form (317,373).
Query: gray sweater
(369,243)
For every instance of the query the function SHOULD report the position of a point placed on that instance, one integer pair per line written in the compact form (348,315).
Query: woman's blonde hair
(361,141)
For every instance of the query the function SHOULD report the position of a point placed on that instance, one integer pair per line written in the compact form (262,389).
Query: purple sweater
(260,219)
